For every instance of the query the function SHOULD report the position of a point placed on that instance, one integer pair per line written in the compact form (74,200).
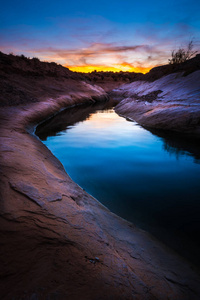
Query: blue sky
(103,33)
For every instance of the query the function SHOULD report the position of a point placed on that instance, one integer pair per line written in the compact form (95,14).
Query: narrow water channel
(152,180)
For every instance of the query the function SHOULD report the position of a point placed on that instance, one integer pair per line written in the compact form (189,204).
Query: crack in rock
(33,193)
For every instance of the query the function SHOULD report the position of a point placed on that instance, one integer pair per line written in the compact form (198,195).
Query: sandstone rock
(171,102)
(50,229)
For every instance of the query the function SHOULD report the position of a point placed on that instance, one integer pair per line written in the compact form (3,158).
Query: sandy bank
(58,242)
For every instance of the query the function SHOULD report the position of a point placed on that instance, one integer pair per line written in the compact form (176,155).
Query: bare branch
(181,55)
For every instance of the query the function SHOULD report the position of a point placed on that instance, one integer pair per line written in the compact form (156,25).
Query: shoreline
(66,240)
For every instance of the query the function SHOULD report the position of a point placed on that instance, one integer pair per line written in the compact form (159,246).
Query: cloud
(84,45)
(104,54)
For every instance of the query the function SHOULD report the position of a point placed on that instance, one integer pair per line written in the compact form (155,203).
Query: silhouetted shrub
(181,55)
(23,56)
(35,59)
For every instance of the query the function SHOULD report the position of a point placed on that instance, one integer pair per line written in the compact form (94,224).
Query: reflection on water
(149,179)
(179,145)
(69,117)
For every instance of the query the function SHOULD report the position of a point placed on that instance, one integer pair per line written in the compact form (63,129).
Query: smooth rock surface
(171,102)
(58,242)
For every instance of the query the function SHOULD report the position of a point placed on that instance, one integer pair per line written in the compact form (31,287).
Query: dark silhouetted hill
(187,67)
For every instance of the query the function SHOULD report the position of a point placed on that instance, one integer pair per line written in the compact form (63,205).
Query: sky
(103,35)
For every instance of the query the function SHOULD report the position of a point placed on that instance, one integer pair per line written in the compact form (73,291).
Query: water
(150,179)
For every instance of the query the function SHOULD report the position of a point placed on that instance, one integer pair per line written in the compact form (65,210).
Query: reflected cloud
(102,120)
(68,117)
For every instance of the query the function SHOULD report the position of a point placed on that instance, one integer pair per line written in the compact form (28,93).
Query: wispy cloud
(92,43)
(107,55)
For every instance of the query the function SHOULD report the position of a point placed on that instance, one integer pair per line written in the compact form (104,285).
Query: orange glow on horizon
(101,68)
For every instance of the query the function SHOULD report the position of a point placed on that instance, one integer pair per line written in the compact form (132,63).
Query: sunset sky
(103,35)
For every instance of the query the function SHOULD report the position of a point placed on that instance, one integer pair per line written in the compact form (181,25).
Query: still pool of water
(152,180)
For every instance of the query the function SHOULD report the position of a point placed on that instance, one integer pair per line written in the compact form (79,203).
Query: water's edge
(194,257)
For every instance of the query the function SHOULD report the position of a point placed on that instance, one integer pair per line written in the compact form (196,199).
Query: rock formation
(171,102)
(58,242)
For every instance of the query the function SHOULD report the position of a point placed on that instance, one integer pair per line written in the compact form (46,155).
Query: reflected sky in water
(130,171)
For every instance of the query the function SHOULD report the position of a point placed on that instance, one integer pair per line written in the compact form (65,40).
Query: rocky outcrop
(58,242)
(171,102)
(25,80)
